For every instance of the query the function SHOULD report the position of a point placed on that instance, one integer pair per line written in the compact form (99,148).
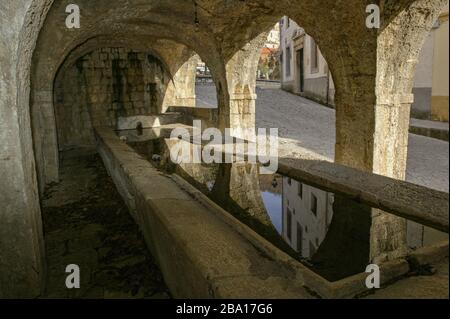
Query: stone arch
(396,66)
(399,43)
(179,60)
(241,72)
(42,97)
(101,86)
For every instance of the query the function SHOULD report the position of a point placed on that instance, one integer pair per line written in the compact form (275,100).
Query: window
(314,57)
(289,181)
(300,190)
(288,22)
(299,238)
(314,204)
(288,61)
(289,225)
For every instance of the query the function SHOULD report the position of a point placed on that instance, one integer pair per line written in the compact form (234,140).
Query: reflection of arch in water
(238,185)
(237,190)
(345,250)
(337,236)
(329,231)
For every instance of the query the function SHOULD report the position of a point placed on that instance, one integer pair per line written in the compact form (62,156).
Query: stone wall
(421,108)
(102,86)
(316,89)
(22,266)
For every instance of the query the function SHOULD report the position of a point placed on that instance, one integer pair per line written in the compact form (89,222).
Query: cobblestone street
(307,129)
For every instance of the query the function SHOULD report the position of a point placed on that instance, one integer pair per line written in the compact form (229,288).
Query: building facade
(304,70)
(431,79)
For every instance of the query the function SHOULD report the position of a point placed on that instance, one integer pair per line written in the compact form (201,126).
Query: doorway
(300,70)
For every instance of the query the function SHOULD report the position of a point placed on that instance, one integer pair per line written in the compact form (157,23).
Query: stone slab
(414,202)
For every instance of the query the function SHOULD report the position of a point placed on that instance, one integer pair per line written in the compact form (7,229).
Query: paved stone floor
(87,223)
(307,128)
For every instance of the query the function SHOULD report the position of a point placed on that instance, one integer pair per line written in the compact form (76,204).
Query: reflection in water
(328,233)
(273,209)
(332,233)
(307,214)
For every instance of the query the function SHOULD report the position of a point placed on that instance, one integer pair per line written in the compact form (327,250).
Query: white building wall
(314,227)
(315,81)
(287,30)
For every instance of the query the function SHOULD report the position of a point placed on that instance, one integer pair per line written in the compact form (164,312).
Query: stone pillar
(399,44)
(21,240)
(181,90)
(389,238)
(374,138)
(241,79)
(373,101)
(242,112)
(45,136)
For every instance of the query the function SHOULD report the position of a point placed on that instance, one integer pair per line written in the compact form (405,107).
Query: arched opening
(305,124)
(113,86)
(205,87)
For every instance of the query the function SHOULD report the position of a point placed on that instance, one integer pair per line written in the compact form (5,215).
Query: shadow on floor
(86,223)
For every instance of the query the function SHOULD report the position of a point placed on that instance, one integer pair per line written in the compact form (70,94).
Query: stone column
(399,43)
(241,79)
(373,100)
(389,238)
(45,136)
(21,240)
(374,138)
(242,113)
(181,90)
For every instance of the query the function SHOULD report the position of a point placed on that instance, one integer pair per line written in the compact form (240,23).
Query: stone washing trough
(204,252)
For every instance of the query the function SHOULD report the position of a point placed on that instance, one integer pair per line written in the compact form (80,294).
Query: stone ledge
(436,133)
(200,255)
(414,202)
(204,252)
